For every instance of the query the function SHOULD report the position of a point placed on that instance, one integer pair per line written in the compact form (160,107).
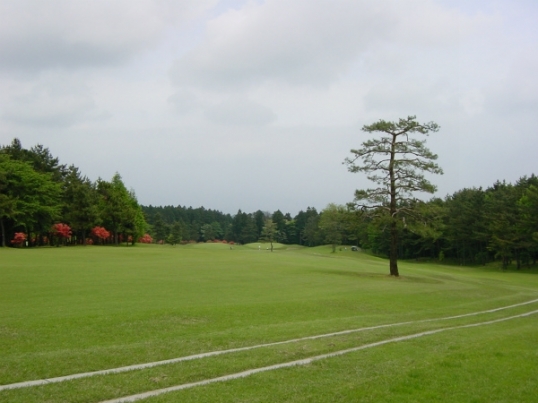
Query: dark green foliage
(333,223)
(471,226)
(81,200)
(175,234)
(208,232)
(191,221)
(466,225)
(306,226)
(160,229)
(30,200)
(120,212)
(37,192)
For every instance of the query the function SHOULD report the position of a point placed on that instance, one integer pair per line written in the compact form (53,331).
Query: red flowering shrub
(100,233)
(18,238)
(145,239)
(61,230)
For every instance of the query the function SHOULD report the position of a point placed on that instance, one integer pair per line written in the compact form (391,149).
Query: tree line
(470,226)
(174,224)
(43,202)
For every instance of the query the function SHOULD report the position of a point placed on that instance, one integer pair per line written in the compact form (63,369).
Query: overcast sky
(255,104)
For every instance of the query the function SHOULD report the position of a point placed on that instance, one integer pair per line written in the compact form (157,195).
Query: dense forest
(43,202)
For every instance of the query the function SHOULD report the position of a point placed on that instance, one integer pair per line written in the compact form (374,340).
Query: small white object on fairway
(39,382)
(305,361)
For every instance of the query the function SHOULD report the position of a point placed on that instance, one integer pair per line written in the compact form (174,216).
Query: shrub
(19,238)
(61,230)
(146,239)
(100,233)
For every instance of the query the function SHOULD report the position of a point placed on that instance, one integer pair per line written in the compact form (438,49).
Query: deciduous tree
(269,232)
(332,223)
(29,199)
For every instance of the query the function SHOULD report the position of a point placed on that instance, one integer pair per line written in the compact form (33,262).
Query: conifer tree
(395,163)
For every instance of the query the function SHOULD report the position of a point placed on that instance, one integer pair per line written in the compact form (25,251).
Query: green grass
(78,309)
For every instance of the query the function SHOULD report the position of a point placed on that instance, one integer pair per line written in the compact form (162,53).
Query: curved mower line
(39,382)
(305,361)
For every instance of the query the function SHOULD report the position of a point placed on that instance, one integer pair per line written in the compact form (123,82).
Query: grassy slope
(69,310)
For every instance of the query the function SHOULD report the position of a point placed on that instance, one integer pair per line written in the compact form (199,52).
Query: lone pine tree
(396,163)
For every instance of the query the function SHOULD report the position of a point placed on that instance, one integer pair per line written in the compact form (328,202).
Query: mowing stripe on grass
(305,361)
(38,382)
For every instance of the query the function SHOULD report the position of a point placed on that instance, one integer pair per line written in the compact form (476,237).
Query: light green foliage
(269,232)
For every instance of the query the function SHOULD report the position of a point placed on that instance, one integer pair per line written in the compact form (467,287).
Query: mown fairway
(72,310)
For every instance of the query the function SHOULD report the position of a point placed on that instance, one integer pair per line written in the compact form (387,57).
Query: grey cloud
(34,54)
(240,112)
(54,101)
(37,35)
(184,102)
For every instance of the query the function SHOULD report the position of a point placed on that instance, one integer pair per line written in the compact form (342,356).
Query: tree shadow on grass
(380,276)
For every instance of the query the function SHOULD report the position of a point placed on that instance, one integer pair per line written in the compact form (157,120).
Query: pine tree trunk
(394,249)
(393,266)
